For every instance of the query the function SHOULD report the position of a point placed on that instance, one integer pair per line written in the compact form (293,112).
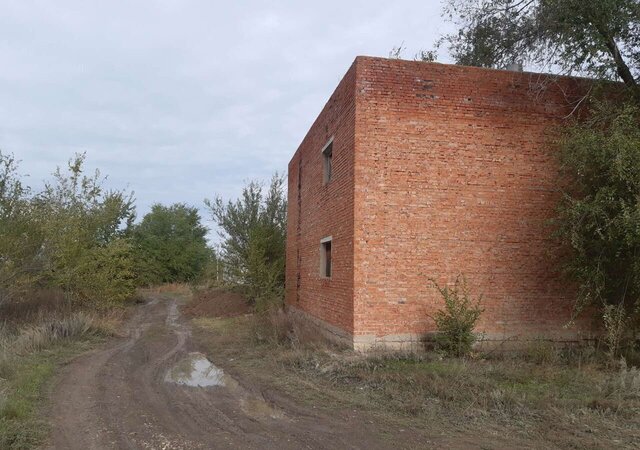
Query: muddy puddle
(197,371)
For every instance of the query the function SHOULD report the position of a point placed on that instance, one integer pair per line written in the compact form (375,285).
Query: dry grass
(38,336)
(277,328)
(35,337)
(35,306)
(550,396)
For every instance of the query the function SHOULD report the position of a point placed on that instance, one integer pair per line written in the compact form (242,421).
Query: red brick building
(422,170)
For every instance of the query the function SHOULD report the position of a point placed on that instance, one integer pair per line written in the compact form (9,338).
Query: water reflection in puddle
(195,370)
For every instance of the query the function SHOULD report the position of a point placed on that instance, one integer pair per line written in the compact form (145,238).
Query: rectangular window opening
(325,257)
(327,157)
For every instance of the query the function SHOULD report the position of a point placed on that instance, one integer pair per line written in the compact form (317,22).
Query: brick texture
(318,210)
(438,170)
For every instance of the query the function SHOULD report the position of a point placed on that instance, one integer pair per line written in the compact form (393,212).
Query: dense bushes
(73,235)
(20,240)
(171,245)
(253,229)
(599,216)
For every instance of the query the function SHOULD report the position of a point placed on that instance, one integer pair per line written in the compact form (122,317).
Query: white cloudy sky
(179,100)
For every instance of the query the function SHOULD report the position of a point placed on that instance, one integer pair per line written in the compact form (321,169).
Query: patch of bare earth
(541,399)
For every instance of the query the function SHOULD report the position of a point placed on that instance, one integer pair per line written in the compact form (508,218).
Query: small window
(325,257)
(327,157)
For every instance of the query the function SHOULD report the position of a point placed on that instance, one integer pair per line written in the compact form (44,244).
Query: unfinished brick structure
(422,170)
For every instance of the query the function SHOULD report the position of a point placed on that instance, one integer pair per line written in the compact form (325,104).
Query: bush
(598,217)
(71,236)
(272,327)
(456,322)
(253,232)
(20,239)
(171,245)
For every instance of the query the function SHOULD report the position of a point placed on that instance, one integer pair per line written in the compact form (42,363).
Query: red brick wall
(438,170)
(452,175)
(317,210)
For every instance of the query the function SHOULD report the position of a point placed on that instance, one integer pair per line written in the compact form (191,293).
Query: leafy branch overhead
(594,38)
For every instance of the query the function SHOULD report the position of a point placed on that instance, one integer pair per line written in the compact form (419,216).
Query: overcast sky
(180,100)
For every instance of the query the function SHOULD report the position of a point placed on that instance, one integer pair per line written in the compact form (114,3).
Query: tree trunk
(621,67)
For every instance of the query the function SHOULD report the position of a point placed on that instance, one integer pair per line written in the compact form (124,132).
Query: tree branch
(622,68)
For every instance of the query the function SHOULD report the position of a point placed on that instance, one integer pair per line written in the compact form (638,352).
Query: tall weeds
(41,335)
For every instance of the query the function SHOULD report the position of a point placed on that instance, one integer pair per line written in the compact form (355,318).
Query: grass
(30,352)
(24,393)
(549,397)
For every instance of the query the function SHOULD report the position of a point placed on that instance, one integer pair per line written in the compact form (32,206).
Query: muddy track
(120,397)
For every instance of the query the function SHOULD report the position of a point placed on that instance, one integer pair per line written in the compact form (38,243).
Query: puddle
(196,370)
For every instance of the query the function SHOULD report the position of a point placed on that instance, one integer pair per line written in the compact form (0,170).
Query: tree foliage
(72,235)
(20,238)
(82,226)
(596,38)
(171,244)
(599,216)
(253,232)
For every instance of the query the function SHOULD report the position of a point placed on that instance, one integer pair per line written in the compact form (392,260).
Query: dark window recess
(325,259)
(327,157)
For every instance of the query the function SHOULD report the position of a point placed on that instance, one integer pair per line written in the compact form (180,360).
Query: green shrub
(253,231)
(598,218)
(73,235)
(20,239)
(107,274)
(171,245)
(456,322)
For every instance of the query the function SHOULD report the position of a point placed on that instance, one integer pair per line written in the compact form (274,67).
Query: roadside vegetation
(253,233)
(544,395)
(71,260)
(64,261)
(29,355)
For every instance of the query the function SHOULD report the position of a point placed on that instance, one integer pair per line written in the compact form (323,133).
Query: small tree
(72,235)
(171,244)
(20,237)
(253,229)
(85,250)
(456,322)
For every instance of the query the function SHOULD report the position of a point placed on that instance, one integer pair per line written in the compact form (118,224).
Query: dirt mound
(217,303)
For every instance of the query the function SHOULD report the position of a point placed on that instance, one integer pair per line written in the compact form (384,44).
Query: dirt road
(151,390)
